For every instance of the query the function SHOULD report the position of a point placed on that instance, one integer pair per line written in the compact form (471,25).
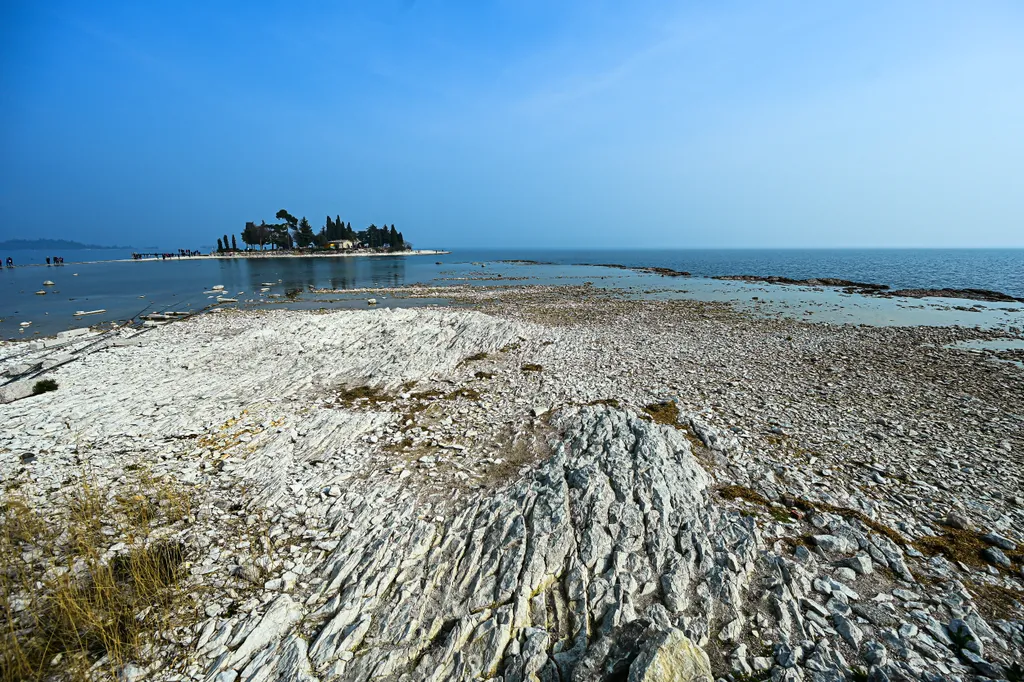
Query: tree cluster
(291,232)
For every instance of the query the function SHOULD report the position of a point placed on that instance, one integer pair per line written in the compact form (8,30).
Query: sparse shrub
(530,367)
(44,386)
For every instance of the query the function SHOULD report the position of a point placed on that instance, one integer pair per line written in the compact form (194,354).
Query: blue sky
(517,123)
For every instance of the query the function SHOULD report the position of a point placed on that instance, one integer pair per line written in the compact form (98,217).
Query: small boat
(218,287)
(224,299)
(40,293)
(25,324)
(80,313)
(48,283)
(267,284)
(371,301)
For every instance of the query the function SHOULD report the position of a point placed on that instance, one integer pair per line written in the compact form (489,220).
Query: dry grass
(467,393)
(964,546)
(474,358)
(70,607)
(996,601)
(664,413)
(808,506)
(531,367)
(739,492)
(369,394)
(427,395)
(523,450)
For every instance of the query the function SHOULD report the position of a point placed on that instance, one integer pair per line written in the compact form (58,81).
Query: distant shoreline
(59,244)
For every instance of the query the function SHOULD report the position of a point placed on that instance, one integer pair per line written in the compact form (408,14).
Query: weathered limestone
(572,558)
(487,522)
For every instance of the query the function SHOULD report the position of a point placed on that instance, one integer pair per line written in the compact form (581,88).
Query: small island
(295,236)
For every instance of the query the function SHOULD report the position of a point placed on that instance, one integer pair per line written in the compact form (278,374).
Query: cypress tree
(234,244)
(220,246)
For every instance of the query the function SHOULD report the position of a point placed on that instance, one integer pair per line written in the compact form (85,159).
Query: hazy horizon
(518,125)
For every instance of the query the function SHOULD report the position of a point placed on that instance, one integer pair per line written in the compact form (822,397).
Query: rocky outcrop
(970,294)
(610,559)
(848,285)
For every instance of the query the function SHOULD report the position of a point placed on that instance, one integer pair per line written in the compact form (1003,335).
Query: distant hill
(50,245)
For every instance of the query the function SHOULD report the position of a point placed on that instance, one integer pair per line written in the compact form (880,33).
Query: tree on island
(282,237)
(234,244)
(304,234)
(220,246)
(256,235)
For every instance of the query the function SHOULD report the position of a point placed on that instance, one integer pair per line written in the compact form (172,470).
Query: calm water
(125,289)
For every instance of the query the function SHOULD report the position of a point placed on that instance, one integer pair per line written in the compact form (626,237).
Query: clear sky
(517,122)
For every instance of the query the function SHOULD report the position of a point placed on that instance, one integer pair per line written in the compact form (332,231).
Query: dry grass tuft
(996,601)
(474,358)
(664,413)
(739,492)
(610,402)
(523,450)
(370,394)
(531,367)
(467,393)
(73,608)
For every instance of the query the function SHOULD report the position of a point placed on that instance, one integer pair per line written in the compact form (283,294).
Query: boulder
(671,657)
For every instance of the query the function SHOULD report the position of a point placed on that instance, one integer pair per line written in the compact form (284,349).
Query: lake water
(127,288)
